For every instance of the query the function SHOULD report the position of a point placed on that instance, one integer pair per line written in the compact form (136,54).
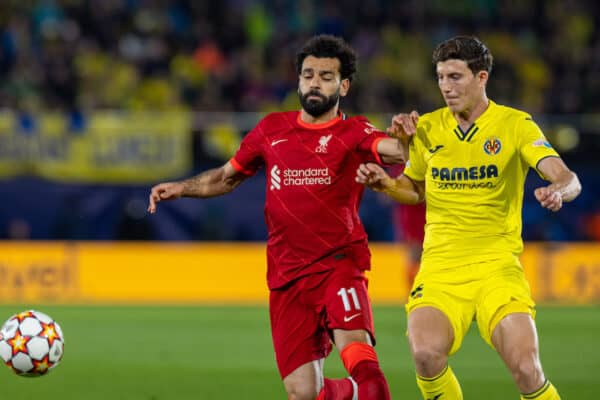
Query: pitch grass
(180,353)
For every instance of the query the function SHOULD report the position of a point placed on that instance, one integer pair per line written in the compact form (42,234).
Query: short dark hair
(329,46)
(468,49)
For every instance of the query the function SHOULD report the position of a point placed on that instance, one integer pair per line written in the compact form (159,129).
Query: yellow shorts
(485,292)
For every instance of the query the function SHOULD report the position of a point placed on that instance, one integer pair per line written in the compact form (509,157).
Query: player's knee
(300,391)
(527,371)
(429,361)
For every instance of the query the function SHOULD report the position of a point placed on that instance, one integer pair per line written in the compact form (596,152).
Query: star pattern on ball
(18,343)
(25,314)
(41,366)
(49,332)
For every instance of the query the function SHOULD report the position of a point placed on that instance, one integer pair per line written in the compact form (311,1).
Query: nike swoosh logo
(436,397)
(350,318)
(278,141)
(433,150)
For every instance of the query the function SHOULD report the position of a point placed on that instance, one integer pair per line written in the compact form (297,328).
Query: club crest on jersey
(492,146)
(323,142)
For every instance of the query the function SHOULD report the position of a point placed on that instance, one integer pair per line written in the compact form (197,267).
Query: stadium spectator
(110,54)
(79,56)
(469,161)
(317,249)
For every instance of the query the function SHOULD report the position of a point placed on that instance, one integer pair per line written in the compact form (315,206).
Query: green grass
(161,353)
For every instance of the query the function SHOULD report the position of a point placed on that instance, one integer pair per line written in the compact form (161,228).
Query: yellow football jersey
(474,183)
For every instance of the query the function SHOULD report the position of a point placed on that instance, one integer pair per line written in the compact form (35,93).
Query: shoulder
(361,124)
(429,121)
(278,118)
(433,118)
(359,120)
(510,114)
(274,123)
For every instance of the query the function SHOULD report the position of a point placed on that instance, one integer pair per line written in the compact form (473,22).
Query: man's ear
(344,87)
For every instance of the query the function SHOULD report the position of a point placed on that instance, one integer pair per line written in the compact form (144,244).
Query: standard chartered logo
(299,177)
(275,177)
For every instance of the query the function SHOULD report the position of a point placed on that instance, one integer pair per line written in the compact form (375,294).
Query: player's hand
(404,126)
(373,176)
(164,191)
(549,198)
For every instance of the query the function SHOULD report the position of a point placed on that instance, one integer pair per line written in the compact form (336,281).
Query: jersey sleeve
(533,145)
(249,159)
(368,137)
(416,167)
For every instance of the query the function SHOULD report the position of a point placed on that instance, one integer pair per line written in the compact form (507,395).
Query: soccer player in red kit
(317,247)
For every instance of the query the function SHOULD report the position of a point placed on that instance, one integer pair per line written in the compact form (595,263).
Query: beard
(316,108)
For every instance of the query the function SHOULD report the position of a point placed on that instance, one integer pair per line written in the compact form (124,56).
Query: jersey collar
(466,136)
(323,125)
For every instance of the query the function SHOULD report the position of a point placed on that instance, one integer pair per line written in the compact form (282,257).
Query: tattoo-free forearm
(404,190)
(567,185)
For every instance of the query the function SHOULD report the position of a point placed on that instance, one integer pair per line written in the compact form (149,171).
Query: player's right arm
(210,183)
(402,189)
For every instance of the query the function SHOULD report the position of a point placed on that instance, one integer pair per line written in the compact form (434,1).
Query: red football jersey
(312,198)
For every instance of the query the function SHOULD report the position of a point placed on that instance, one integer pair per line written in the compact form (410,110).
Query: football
(31,343)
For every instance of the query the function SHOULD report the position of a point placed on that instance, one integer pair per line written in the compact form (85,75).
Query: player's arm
(392,151)
(402,129)
(564,186)
(402,189)
(210,183)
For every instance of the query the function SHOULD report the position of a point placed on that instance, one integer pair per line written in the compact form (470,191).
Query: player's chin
(454,106)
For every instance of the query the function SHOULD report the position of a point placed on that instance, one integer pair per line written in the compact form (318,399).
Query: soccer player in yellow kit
(468,161)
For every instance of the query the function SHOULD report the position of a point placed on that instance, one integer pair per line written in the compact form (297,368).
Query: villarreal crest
(492,146)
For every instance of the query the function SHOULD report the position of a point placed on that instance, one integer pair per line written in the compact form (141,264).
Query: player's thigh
(347,304)
(434,301)
(515,337)
(503,293)
(297,327)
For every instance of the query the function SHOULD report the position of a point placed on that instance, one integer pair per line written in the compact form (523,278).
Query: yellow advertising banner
(178,273)
(109,147)
(41,272)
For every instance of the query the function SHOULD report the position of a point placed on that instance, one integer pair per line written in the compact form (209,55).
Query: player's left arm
(392,151)
(401,131)
(564,186)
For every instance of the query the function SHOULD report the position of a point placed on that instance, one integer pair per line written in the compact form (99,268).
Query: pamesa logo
(298,177)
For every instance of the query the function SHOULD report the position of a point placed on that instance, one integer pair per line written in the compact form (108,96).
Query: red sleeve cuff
(238,167)
(374,150)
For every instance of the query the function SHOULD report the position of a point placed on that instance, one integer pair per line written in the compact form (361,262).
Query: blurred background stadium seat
(209,59)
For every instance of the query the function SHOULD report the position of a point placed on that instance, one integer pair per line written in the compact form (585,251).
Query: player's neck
(467,117)
(321,119)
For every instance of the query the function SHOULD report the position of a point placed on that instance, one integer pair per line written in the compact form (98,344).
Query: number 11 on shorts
(343,293)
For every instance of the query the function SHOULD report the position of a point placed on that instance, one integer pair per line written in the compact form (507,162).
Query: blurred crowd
(237,55)
(76,56)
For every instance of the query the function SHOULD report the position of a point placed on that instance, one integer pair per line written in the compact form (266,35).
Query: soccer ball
(31,343)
